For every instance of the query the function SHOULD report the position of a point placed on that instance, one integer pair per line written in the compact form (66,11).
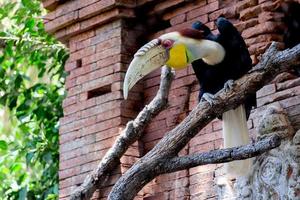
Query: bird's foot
(228,85)
(210,98)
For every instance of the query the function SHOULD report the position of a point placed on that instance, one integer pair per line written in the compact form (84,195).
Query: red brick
(267,27)
(69,66)
(99,19)
(161,6)
(102,81)
(50,4)
(259,48)
(183,9)
(279,96)
(245,4)
(61,22)
(101,126)
(203,10)
(202,169)
(228,12)
(202,147)
(266,90)
(96,8)
(97,110)
(288,84)
(82,53)
(284,76)
(178,19)
(217,125)
(247,24)
(66,191)
(204,177)
(264,38)
(270,16)
(109,44)
(250,12)
(270,5)
(82,70)
(101,55)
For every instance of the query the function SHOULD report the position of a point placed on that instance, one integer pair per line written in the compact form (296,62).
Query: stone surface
(275,174)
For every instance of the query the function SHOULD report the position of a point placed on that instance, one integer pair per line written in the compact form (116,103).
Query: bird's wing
(232,40)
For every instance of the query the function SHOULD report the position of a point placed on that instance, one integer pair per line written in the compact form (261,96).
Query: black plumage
(236,63)
(291,36)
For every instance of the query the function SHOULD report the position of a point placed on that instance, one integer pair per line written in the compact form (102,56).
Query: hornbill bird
(217,60)
(236,63)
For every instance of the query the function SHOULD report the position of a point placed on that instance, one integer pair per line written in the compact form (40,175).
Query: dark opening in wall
(78,63)
(99,91)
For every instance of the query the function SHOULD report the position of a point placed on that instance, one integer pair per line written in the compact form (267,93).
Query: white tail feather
(235,133)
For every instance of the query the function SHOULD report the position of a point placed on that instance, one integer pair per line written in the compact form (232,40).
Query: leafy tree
(31,94)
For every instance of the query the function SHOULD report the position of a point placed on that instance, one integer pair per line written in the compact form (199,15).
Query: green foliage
(31,94)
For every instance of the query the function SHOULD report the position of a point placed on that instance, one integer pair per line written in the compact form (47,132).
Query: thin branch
(150,166)
(129,135)
(221,155)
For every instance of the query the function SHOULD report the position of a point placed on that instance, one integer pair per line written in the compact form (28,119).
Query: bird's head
(176,49)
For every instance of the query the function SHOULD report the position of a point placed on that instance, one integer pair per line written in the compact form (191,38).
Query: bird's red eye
(167,43)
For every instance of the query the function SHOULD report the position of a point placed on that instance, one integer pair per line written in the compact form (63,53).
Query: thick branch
(151,165)
(221,155)
(129,135)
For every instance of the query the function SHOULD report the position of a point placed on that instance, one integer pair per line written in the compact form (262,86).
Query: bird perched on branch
(217,61)
(236,63)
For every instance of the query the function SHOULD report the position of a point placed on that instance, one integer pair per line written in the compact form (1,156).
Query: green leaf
(29,156)
(3,145)
(30,24)
(16,167)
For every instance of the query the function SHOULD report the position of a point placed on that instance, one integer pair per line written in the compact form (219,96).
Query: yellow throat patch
(178,57)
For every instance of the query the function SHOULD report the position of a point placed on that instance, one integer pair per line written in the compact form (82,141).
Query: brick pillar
(101,45)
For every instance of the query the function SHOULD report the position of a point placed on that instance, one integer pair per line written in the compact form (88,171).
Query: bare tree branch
(150,166)
(221,155)
(129,135)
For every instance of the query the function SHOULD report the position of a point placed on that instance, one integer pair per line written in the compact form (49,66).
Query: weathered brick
(259,48)
(183,9)
(267,27)
(161,6)
(266,90)
(61,22)
(250,12)
(245,4)
(264,38)
(288,84)
(50,4)
(295,91)
(241,26)
(178,19)
(96,8)
(228,12)
(203,10)
(82,53)
(99,19)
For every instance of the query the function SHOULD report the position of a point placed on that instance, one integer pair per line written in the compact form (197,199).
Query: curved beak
(148,58)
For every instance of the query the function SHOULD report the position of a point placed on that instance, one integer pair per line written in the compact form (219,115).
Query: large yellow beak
(148,58)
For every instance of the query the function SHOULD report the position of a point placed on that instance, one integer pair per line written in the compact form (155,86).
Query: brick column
(101,46)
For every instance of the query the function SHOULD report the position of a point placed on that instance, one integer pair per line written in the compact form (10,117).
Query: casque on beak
(148,58)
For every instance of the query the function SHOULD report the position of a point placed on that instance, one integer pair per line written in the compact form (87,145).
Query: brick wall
(102,36)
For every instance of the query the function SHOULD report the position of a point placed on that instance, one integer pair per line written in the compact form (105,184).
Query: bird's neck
(209,51)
